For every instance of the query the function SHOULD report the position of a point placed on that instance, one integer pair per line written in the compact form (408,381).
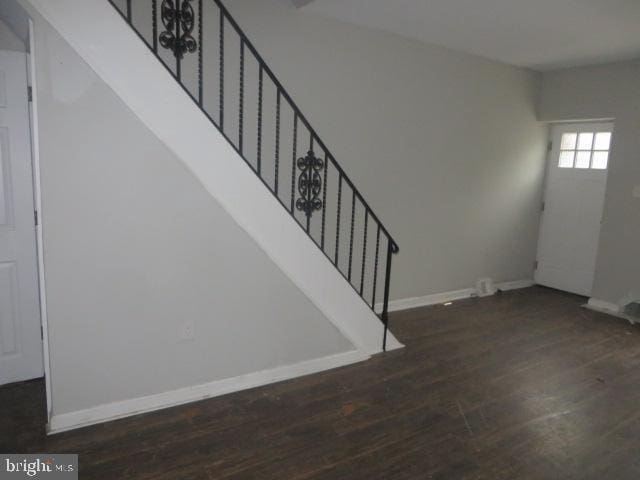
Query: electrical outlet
(187,330)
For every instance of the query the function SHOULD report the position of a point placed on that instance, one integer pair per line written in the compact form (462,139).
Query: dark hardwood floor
(526,384)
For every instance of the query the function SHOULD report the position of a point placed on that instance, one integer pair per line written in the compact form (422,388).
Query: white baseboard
(610,309)
(438,298)
(135,406)
(434,299)
(603,306)
(515,285)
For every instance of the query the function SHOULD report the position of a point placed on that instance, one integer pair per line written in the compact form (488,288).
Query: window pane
(585,141)
(569,141)
(600,160)
(583,159)
(603,141)
(566,159)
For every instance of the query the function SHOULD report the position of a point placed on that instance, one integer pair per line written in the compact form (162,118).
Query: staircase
(204,49)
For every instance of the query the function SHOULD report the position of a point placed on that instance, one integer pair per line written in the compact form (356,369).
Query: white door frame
(37,201)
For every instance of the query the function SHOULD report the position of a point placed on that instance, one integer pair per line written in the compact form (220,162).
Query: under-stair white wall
(138,251)
(116,54)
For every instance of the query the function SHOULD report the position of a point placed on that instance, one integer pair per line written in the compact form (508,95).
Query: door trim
(37,200)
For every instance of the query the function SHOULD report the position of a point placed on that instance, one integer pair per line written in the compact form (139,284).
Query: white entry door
(573,206)
(20,335)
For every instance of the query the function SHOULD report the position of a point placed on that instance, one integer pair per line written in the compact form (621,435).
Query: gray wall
(444,146)
(134,247)
(608,91)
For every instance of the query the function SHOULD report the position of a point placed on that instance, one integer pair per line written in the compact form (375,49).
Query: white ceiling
(539,34)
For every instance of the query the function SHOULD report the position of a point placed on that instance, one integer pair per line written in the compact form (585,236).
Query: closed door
(573,206)
(20,335)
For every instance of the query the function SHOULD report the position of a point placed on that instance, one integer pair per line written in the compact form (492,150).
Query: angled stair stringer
(117,55)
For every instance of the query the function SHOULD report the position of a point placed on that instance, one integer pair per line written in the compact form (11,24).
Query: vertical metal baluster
(311,173)
(324,199)
(338,219)
(293,165)
(277,159)
(375,270)
(353,219)
(177,54)
(221,70)
(364,249)
(129,11)
(241,119)
(259,153)
(154,20)
(385,305)
(200,55)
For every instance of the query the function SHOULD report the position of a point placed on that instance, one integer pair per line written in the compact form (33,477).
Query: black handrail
(309,173)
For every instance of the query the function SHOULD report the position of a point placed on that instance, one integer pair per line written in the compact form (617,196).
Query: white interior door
(20,335)
(573,206)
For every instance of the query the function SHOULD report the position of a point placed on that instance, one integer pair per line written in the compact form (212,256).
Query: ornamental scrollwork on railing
(178,19)
(309,184)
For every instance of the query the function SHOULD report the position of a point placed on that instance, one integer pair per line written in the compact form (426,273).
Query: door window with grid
(585,150)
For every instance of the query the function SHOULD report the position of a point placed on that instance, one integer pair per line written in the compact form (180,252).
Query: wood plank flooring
(526,385)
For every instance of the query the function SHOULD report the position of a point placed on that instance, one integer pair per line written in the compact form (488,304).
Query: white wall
(608,91)
(135,246)
(444,146)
